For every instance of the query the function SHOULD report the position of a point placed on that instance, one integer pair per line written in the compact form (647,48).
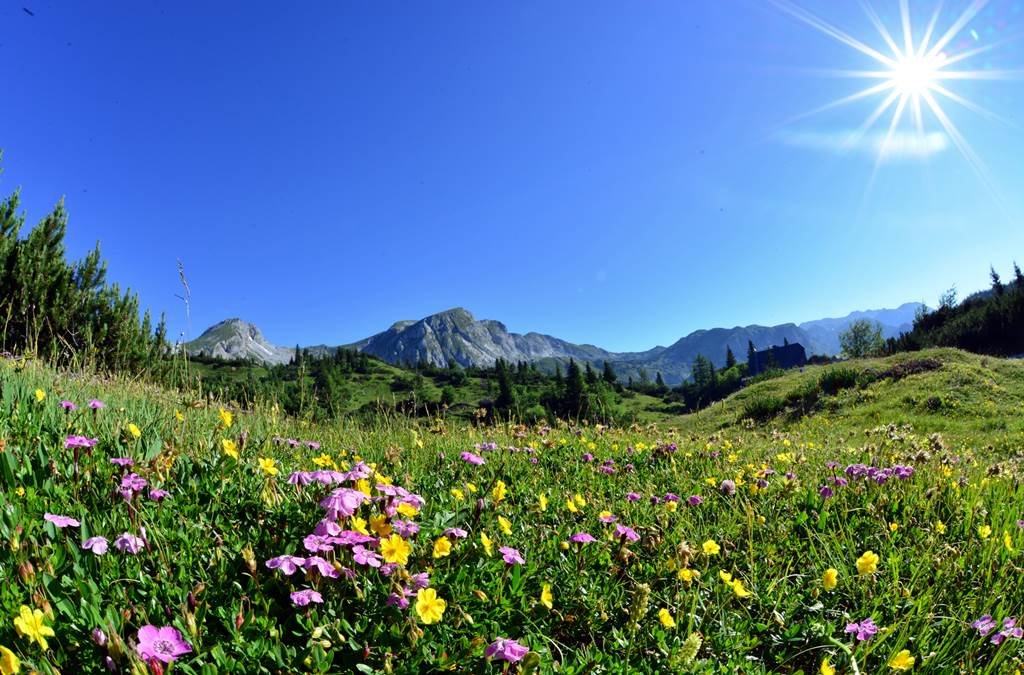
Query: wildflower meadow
(145,532)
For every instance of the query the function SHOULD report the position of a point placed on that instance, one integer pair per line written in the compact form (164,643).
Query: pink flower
(60,521)
(364,556)
(472,459)
(511,556)
(97,404)
(164,644)
(69,406)
(582,538)
(288,564)
(506,650)
(122,461)
(80,442)
(322,566)
(456,533)
(129,543)
(305,596)
(863,630)
(98,545)
(628,532)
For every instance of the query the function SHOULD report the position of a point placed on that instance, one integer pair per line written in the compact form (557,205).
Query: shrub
(763,407)
(836,379)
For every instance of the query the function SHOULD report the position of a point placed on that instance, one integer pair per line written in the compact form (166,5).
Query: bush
(804,396)
(763,407)
(837,379)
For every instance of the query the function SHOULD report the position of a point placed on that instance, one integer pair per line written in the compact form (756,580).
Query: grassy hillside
(704,544)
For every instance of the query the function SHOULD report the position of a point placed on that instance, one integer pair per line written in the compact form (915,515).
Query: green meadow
(857,517)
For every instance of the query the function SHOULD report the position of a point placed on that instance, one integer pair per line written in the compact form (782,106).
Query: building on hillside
(786,356)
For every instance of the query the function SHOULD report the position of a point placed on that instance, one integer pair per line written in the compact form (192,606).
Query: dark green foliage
(65,312)
(730,358)
(836,379)
(991,322)
(763,407)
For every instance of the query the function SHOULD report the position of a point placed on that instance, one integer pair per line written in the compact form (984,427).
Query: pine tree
(609,375)
(730,358)
(750,353)
(575,392)
(589,375)
(505,395)
(997,284)
(1018,278)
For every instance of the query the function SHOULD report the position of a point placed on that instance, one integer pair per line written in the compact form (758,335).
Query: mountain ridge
(456,336)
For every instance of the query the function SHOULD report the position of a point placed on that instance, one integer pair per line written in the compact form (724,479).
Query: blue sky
(614,173)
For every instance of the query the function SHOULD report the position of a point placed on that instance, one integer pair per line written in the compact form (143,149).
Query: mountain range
(456,336)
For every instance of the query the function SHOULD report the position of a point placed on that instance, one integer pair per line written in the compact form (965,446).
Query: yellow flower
(1007,541)
(458,494)
(20,491)
(902,661)
(826,668)
(665,617)
(30,624)
(569,504)
(40,395)
(940,527)
(429,607)
(725,577)
(711,547)
(268,466)
(893,527)
(134,430)
(580,501)
(498,491)
(359,525)
(363,485)
(505,525)
(867,563)
(324,460)
(488,544)
(229,447)
(442,547)
(9,662)
(178,416)
(471,487)
(394,549)
(407,510)
(546,598)
(830,578)
(671,506)
(688,575)
(985,531)
(380,525)
(225,418)
(739,590)
(542,502)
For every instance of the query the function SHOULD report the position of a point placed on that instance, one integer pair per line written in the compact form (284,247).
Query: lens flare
(910,76)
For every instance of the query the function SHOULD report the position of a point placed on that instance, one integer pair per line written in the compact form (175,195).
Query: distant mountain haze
(456,336)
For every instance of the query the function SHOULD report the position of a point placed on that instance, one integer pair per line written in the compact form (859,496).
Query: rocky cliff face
(237,339)
(455,336)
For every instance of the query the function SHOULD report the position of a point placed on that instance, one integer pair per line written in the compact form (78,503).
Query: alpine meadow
(734,414)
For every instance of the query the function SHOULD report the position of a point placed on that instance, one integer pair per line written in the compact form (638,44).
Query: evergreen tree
(997,284)
(750,353)
(659,381)
(575,392)
(609,375)
(505,397)
(730,358)
(590,376)
(1018,278)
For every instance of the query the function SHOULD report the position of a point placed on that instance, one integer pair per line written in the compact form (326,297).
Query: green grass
(204,571)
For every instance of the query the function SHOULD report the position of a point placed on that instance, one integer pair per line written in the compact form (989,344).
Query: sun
(912,75)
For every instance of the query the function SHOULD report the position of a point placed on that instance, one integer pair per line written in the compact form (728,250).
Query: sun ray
(846,100)
(880,27)
(908,32)
(974,107)
(923,47)
(960,142)
(962,56)
(853,139)
(830,30)
(958,25)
